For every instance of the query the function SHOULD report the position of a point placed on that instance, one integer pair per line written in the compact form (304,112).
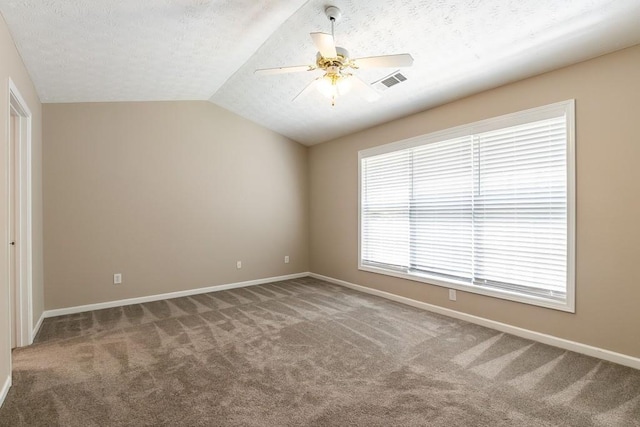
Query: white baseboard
(600,353)
(170,295)
(36,328)
(5,389)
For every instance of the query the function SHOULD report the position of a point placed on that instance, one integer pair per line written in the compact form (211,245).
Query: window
(485,208)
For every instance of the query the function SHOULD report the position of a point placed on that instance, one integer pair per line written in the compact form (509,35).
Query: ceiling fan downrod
(334,14)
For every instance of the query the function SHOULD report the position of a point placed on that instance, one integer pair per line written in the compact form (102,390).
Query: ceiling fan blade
(386,61)
(303,93)
(364,89)
(325,44)
(283,70)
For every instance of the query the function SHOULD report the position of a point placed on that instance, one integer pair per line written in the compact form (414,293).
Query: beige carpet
(303,352)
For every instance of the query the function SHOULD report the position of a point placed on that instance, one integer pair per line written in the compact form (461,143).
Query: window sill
(567,306)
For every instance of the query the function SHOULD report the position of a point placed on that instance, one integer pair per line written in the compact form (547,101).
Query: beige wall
(607,93)
(11,66)
(171,195)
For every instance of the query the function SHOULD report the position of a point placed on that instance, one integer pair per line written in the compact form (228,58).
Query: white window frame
(508,120)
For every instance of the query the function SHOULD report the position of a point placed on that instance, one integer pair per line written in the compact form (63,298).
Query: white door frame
(22,213)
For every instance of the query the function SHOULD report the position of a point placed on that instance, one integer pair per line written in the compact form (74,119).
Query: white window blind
(442,208)
(388,191)
(520,208)
(486,211)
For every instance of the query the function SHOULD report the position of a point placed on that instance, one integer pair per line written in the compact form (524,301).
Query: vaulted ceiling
(150,50)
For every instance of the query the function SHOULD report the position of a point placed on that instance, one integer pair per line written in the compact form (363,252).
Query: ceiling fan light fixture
(344,84)
(334,85)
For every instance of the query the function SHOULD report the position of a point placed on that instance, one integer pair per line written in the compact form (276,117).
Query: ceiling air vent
(388,81)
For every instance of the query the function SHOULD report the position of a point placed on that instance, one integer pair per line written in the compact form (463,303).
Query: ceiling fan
(335,62)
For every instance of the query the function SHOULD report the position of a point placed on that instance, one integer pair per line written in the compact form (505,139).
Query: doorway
(19,259)
(14,133)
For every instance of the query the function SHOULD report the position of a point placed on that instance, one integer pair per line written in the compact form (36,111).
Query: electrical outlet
(117,279)
(286,259)
(452,294)
(239,265)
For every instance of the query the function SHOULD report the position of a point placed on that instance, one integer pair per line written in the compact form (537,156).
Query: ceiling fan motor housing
(341,61)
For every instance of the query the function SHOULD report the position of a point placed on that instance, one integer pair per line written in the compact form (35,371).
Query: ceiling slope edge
(302,3)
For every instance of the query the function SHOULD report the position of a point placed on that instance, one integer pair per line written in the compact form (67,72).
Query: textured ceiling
(124,50)
(138,50)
